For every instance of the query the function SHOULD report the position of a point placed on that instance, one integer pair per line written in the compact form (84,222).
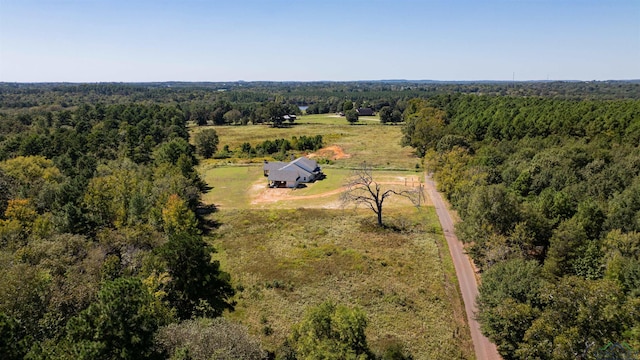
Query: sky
(318,40)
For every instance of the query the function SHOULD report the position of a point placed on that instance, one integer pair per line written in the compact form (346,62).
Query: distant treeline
(58,96)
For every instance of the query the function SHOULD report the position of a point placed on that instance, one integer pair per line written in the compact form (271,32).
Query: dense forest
(321,97)
(100,245)
(102,249)
(549,194)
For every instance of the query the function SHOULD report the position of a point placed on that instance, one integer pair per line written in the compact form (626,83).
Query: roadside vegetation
(548,193)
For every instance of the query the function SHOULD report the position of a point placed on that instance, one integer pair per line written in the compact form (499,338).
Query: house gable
(299,170)
(306,164)
(304,174)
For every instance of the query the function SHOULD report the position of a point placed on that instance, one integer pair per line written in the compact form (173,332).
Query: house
(292,174)
(365,112)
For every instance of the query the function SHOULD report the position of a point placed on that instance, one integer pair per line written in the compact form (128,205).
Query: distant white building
(292,174)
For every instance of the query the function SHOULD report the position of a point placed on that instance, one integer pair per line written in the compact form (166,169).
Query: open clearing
(285,261)
(288,250)
(245,187)
(377,145)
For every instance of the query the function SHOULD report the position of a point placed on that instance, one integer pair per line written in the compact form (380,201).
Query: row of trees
(548,194)
(225,113)
(281,146)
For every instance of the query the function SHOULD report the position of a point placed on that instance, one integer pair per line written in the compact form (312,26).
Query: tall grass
(284,261)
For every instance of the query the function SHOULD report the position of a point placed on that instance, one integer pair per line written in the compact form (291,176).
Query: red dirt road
(484,349)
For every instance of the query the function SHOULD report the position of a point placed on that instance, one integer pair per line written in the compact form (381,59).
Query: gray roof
(365,111)
(305,163)
(281,171)
(274,165)
(298,169)
(289,175)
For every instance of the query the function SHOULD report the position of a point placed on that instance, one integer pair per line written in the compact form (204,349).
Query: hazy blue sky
(198,40)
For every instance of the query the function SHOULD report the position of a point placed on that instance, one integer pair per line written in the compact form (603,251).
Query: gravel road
(484,349)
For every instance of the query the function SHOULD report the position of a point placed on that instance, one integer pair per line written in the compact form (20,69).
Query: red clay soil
(330,152)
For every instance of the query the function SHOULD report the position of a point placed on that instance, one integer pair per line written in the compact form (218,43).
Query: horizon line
(314,81)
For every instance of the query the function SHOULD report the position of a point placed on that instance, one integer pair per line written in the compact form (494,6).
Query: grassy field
(284,261)
(243,187)
(369,141)
(287,250)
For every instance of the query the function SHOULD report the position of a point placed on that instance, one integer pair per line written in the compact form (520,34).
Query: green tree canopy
(198,287)
(120,325)
(352,116)
(206,142)
(204,339)
(386,115)
(424,125)
(508,302)
(331,331)
(14,344)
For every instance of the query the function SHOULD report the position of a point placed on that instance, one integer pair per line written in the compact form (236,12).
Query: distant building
(292,174)
(365,112)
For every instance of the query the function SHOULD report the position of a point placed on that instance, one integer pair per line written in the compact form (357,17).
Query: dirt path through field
(484,349)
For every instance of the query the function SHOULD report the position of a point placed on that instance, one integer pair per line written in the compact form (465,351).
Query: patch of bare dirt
(271,195)
(333,152)
(262,194)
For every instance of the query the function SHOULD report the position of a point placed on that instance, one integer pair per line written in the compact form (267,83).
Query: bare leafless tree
(363,190)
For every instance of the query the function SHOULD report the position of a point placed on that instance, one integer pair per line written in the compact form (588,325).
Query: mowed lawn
(368,141)
(284,261)
(243,187)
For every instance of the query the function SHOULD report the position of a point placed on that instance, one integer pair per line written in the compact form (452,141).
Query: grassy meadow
(288,250)
(367,141)
(284,261)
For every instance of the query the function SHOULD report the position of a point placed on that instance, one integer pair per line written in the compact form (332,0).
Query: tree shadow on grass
(390,225)
(207,223)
